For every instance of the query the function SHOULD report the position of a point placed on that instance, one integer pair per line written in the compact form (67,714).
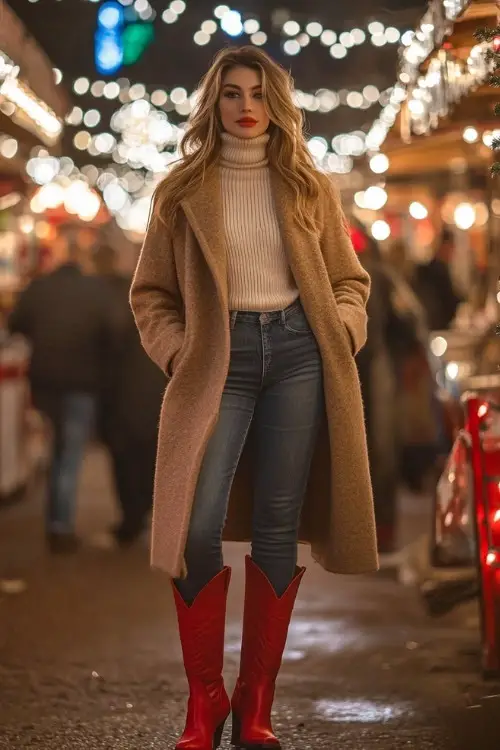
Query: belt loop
(283,317)
(234,315)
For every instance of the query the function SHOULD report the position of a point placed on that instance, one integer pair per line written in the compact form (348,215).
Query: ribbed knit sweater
(259,276)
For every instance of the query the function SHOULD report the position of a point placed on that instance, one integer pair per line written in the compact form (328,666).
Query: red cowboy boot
(201,629)
(265,626)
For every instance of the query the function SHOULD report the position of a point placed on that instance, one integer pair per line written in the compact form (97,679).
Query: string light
(41,118)
(323,101)
(379,163)
(374,198)
(231,23)
(340,43)
(425,108)
(251,26)
(291,28)
(314,29)
(380,128)
(111,90)
(76,196)
(460,76)
(292,47)
(21,103)
(92,118)
(201,38)
(380,230)
(173,12)
(124,178)
(418,210)
(8,147)
(470,135)
(259,38)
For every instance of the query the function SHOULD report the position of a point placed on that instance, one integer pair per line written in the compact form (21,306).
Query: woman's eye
(230,94)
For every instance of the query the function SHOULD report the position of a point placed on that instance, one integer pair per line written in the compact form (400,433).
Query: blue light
(108,52)
(110,16)
(231,23)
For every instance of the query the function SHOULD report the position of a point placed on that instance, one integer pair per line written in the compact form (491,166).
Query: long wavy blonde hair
(287,149)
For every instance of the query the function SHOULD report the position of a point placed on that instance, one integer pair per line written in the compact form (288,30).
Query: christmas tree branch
(487,35)
(492,56)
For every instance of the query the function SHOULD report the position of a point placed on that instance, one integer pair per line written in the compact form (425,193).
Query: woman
(248,294)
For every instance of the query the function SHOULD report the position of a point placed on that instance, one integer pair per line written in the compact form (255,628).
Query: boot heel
(218,735)
(236,731)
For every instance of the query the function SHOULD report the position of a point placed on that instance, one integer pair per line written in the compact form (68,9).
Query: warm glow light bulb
(464,216)
(375,198)
(439,345)
(380,230)
(470,135)
(418,210)
(379,163)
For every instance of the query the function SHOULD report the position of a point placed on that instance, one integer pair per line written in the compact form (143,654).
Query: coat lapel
(203,210)
(298,243)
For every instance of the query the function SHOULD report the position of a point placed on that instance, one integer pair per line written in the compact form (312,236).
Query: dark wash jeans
(274,386)
(72,416)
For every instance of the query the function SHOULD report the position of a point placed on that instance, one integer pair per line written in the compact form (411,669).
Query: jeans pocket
(296,321)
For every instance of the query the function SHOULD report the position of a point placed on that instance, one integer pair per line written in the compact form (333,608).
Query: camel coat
(179,297)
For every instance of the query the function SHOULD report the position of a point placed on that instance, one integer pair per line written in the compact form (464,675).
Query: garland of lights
(147,143)
(18,101)
(296,37)
(430,97)
(435,25)
(147,132)
(447,81)
(323,101)
(143,114)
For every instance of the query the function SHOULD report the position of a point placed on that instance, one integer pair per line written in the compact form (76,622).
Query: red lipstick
(247,122)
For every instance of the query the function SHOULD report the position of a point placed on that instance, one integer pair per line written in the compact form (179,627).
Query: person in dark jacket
(67,320)
(396,417)
(130,410)
(433,285)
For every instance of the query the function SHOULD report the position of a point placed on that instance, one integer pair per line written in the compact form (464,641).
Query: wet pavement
(89,656)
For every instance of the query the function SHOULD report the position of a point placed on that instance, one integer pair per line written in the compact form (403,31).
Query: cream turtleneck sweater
(259,276)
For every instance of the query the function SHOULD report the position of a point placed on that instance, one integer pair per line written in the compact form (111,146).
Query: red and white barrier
(14,397)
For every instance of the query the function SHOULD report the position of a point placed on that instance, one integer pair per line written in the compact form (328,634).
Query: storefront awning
(28,91)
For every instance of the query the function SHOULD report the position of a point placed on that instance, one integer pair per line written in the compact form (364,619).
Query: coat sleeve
(350,282)
(156,299)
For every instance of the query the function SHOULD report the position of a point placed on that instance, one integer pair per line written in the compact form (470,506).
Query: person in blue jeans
(74,333)
(249,296)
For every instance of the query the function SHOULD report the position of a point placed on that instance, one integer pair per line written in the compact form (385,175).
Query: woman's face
(241,104)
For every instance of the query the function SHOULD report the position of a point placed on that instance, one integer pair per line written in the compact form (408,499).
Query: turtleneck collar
(244,153)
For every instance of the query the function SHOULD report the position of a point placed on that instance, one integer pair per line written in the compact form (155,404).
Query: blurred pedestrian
(248,294)
(130,411)
(66,318)
(399,389)
(379,388)
(433,285)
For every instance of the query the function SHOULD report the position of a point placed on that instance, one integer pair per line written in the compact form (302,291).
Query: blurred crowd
(407,437)
(91,379)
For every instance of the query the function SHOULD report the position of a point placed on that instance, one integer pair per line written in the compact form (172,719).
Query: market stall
(429,180)
(32,110)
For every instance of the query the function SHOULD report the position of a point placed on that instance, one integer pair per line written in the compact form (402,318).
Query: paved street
(89,656)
